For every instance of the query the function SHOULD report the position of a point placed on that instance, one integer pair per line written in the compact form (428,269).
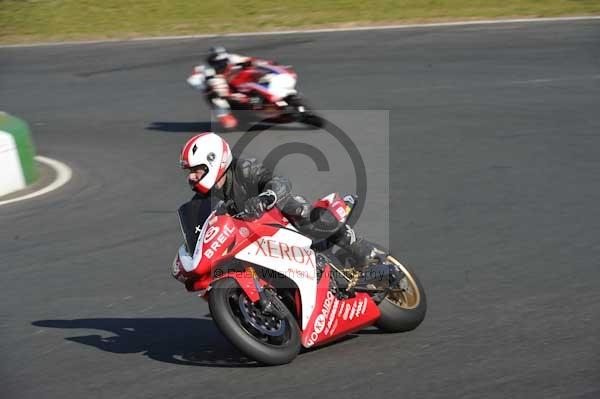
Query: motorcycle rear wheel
(261,337)
(404,309)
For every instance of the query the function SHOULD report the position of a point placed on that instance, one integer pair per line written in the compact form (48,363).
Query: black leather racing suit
(247,178)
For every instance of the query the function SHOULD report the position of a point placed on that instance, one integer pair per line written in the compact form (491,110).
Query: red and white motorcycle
(270,293)
(266,91)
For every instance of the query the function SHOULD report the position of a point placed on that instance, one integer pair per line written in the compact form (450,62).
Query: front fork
(267,305)
(254,288)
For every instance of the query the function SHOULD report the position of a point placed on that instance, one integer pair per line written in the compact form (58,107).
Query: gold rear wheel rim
(408,297)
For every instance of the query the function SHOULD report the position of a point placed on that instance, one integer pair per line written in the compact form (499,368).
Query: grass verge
(27,21)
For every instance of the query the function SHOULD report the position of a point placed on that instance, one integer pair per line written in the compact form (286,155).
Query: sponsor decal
(218,242)
(319,323)
(244,232)
(332,315)
(279,250)
(211,233)
(334,327)
(312,339)
(353,311)
(362,307)
(327,304)
(299,273)
(346,312)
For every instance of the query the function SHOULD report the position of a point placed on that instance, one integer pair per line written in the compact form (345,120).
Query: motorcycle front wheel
(404,308)
(262,337)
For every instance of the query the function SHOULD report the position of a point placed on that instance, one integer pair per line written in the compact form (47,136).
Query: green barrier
(20,131)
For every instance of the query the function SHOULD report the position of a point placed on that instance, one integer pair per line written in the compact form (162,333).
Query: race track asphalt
(494,186)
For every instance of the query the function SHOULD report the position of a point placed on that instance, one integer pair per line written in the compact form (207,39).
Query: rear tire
(225,303)
(403,311)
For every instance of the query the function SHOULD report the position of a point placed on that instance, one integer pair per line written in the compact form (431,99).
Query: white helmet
(212,153)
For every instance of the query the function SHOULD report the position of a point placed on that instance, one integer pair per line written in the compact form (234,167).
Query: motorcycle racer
(246,185)
(221,65)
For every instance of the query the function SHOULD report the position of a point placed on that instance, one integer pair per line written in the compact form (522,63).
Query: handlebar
(240,215)
(225,207)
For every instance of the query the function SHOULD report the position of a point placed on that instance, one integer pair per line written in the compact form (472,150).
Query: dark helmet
(218,58)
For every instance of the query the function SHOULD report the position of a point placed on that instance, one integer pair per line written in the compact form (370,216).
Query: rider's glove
(256,206)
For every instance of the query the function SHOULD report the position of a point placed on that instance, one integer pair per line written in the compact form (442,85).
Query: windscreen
(192,216)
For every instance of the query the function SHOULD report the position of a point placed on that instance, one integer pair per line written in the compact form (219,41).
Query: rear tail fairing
(340,207)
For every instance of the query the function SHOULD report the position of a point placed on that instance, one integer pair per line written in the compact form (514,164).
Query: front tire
(260,337)
(403,310)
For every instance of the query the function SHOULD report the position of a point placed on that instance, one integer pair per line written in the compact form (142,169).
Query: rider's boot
(228,121)
(222,110)
(361,252)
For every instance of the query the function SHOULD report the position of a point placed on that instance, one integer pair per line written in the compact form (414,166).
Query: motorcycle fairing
(280,86)
(333,317)
(192,216)
(273,243)
(272,82)
(222,237)
(198,251)
(289,253)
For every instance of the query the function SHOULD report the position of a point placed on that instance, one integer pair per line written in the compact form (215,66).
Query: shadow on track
(184,341)
(197,127)
(180,127)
